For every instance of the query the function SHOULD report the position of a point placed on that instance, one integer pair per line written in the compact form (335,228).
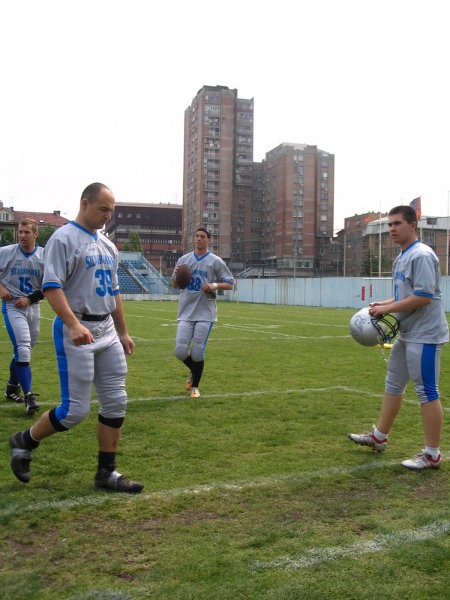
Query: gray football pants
(192,336)
(101,363)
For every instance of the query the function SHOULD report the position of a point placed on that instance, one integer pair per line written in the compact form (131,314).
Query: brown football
(183,276)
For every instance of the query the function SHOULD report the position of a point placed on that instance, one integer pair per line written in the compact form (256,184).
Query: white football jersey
(195,305)
(21,273)
(84,265)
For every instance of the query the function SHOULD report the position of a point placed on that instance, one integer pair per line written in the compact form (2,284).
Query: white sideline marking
(225,395)
(260,482)
(275,334)
(379,543)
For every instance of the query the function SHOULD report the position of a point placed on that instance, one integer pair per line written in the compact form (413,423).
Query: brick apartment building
(367,250)
(159,227)
(298,207)
(218,171)
(276,214)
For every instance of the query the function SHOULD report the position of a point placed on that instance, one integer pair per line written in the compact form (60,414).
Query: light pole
(448,219)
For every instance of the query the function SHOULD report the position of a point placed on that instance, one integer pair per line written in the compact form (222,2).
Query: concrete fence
(332,292)
(329,292)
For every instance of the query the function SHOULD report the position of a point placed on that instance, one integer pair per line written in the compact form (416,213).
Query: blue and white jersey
(21,272)
(195,305)
(416,271)
(84,265)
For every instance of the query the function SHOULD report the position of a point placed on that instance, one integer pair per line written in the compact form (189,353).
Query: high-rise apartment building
(276,214)
(218,172)
(298,204)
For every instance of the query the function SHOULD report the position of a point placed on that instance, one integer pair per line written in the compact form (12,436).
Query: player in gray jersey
(197,310)
(21,271)
(416,354)
(91,339)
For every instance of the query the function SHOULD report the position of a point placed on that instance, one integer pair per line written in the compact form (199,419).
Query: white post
(379,248)
(448,220)
(345,249)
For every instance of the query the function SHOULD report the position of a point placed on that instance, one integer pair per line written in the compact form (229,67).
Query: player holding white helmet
(416,354)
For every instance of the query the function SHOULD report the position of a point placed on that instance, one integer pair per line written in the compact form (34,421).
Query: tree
(7,237)
(44,235)
(134,243)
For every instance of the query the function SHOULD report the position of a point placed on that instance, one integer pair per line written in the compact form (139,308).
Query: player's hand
(377,309)
(4,294)
(80,335)
(127,343)
(22,302)
(208,287)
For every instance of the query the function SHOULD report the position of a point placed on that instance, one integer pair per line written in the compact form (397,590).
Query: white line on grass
(230,395)
(380,543)
(217,486)
(276,334)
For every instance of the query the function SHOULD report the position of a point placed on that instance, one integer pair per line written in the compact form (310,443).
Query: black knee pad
(114,423)
(54,421)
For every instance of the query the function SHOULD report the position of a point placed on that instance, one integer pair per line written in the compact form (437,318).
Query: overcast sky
(95,90)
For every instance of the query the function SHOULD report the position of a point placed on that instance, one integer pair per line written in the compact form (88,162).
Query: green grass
(252,491)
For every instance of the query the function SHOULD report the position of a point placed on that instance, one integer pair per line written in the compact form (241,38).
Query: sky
(95,90)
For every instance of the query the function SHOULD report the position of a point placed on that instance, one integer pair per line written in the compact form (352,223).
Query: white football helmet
(373,331)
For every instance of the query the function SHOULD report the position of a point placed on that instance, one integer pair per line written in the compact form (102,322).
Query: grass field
(251,491)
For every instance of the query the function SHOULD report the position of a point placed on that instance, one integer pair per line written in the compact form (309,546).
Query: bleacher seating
(141,276)
(127,284)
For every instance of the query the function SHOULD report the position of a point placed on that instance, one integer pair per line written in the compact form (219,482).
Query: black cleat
(30,403)
(13,393)
(20,458)
(114,481)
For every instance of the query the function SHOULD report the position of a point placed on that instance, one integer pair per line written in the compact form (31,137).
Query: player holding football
(197,310)
(416,354)
(21,270)
(80,283)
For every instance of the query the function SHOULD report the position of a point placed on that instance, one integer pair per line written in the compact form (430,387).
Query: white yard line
(217,486)
(231,395)
(380,543)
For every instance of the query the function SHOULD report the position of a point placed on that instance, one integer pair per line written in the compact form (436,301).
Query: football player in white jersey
(416,354)
(91,339)
(21,270)
(197,310)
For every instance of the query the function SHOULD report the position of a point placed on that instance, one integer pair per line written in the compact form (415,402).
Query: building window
(323,218)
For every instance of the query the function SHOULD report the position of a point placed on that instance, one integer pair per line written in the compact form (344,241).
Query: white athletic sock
(379,435)
(433,452)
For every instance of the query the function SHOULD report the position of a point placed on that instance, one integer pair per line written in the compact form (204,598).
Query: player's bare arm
(412,302)
(79,334)
(121,326)
(211,287)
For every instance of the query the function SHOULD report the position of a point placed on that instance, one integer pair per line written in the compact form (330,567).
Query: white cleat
(368,439)
(195,392)
(422,461)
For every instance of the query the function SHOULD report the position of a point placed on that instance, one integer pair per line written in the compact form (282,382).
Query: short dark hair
(208,235)
(407,212)
(93,190)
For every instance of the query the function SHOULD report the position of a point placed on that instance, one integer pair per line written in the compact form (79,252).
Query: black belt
(94,317)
